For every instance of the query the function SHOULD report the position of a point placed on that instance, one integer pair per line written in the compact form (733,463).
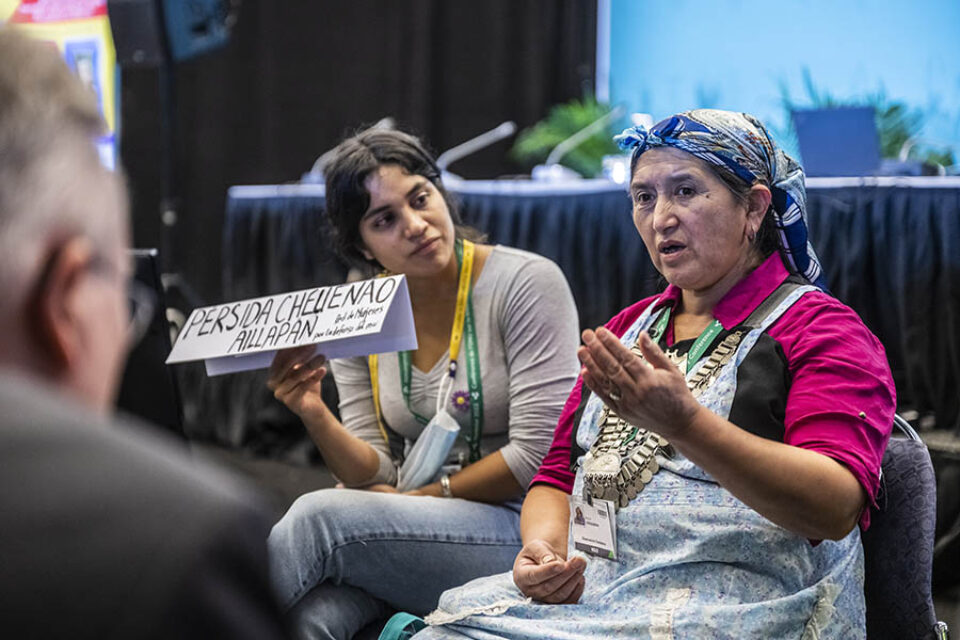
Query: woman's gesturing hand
(295,377)
(542,574)
(652,394)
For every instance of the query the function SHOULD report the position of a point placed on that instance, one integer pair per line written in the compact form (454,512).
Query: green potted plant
(534,144)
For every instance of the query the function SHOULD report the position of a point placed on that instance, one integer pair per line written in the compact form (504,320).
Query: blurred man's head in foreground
(63,229)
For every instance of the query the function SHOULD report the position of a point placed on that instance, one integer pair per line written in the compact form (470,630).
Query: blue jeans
(341,558)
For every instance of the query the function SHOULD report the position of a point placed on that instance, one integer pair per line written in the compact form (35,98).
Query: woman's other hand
(295,377)
(649,393)
(541,573)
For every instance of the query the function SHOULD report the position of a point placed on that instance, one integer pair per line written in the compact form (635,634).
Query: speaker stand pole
(168,201)
(173,282)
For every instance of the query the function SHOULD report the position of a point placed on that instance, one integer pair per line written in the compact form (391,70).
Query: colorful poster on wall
(7,7)
(81,30)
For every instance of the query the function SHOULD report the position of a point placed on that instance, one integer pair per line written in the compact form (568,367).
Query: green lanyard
(465,328)
(699,345)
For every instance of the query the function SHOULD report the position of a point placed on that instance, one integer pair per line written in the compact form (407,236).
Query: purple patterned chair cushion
(898,546)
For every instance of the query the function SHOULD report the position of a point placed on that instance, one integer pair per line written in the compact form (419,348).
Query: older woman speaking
(725,436)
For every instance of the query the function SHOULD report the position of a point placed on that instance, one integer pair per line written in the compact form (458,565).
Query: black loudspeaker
(149,33)
(138,32)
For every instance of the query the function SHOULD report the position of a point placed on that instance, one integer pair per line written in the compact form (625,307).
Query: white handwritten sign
(360,318)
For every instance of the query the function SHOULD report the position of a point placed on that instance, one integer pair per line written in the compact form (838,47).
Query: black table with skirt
(890,248)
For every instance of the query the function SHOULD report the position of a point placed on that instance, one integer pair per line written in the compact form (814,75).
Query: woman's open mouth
(670,248)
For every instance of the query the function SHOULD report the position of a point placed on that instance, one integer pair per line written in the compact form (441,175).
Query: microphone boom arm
(462,150)
(579,137)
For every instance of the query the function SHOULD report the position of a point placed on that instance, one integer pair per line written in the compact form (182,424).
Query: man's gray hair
(49,122)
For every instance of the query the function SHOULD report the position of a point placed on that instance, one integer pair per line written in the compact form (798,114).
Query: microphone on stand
(316,171)
(552,170)
(464,149)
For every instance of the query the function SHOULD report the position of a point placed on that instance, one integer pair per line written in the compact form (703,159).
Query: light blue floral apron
(693,561)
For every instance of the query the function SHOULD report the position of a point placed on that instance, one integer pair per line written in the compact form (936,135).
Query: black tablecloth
(890,249)
(589,235)
(893,254)
(275,240)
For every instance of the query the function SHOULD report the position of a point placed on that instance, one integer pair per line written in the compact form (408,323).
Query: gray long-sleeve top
(527,331)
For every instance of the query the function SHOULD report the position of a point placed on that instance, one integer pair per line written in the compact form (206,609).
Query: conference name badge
(594,527)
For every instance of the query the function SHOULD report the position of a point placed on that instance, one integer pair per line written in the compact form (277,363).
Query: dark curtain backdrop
(296,77)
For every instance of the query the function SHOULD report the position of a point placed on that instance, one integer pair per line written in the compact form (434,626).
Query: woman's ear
(54,320)
(365,252)
(758,202)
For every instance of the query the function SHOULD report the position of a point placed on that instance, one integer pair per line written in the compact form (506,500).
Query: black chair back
(898,546)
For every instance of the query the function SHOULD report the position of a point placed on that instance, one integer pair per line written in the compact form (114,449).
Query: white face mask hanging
(429,453)
(426,459)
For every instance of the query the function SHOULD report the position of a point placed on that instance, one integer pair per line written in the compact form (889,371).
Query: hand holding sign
(295,378)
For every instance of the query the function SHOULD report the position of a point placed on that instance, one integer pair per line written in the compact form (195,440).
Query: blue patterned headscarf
(739,144)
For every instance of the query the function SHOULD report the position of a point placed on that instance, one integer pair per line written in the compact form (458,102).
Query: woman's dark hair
(347,198)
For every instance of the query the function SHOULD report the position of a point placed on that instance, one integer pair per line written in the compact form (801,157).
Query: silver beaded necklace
(622,459)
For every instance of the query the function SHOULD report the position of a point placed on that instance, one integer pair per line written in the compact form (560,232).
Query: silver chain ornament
(622,459)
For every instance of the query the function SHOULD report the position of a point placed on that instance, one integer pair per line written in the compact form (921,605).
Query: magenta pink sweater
(841,398)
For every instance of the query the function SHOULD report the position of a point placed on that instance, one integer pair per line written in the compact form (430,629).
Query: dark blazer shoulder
(114,528)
